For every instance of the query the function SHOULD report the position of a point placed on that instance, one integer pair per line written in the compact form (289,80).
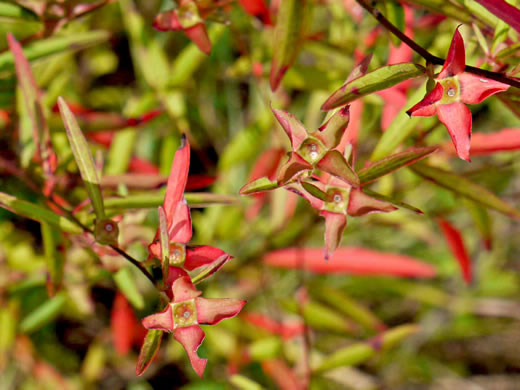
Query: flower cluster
(186,310)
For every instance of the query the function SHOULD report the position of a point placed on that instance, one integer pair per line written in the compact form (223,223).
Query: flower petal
(167,21)
(335,224)
(426,107)
(180,228)
(362,204)
(177,179)
(457,119)
(474,89)
(162,320)
(203,255)
(213,310)
(199,35)
(334,163)
(456,60)
(292,126)
(184,290)
(191,338)
(174,273)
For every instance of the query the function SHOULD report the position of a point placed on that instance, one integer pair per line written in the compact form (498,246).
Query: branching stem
(427,55)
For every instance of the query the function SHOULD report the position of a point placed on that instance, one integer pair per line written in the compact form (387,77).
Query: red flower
(453,90)
(316,149)
(186,311)
(342,199)
(188,19)
(179,223)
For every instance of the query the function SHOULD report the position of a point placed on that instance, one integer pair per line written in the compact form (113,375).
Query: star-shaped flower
(186,312)
(453,90)
(335,199)
(178,221)
(188,19)
(316,149)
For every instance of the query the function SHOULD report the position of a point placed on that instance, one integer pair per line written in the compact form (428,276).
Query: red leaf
(282,375)
(358,261)
(482,144)
(139,165)
(456,244)
(257,8)
(177,179)
(123,324)
(283,329)
(199,35)
(504,11)
(196,182)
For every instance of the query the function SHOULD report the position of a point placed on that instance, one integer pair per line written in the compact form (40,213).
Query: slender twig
(18,172)
(427,55)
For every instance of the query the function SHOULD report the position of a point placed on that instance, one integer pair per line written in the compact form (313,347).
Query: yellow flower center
(450,90)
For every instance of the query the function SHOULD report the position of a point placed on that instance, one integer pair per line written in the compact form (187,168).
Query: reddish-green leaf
(389,199)
(466,188)
(358,261)
(38,213)
(335,164)
(150,347)
(392,163)
(504,11)
(83,158)
(456,244)
(54,256)
(35,111)
(287,38)
(259,185)
(381,78)
(165,244)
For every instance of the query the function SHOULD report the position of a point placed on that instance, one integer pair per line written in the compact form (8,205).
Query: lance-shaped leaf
(165,245)
(389,199)
(504,11)
(83,158)
(292,168)
(150,347)
(381,78)
(54,256)
(358,353)
(259,185)
(482,220)
(335,225)
(392,163)
(35,111)
(38,213)
(44,314)
(139,201)
(334,163)
(287,38)
(357,261)
(456,244)
(331,132)
(466,188)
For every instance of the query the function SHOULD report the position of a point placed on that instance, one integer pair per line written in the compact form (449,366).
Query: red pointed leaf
(180,230)
(474,89)
(335,225)
(212,311)
(359,261)
(456,244)
(122,325)
(504,11)
(200,256)
(335,164)
(457,119)
(199,35)
(292,126)
(426,107)
(456,59)
(284,329)
(361,204)
(292,168)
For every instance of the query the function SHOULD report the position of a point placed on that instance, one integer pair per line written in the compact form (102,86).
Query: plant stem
(427,55)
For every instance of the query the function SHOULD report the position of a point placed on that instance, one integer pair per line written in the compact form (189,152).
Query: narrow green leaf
(8,10)
(350,307)
(358,353)
(244,383)
(482,221)
(150,347)
(316,192)
(388,199)
(259,185)
(287,38)
(45,47)
(466,188)
(37,213)
(55,259)
(265,348)
(83,158)
(34,107)
(393,163)
(381,78)
(44,314)
(194,199)
(395,14)
(165,244)
(126,283)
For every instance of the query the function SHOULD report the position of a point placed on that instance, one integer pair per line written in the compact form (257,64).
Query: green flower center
(184,314)
(450,90)
(312,150)
(338,200)
(177,254)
